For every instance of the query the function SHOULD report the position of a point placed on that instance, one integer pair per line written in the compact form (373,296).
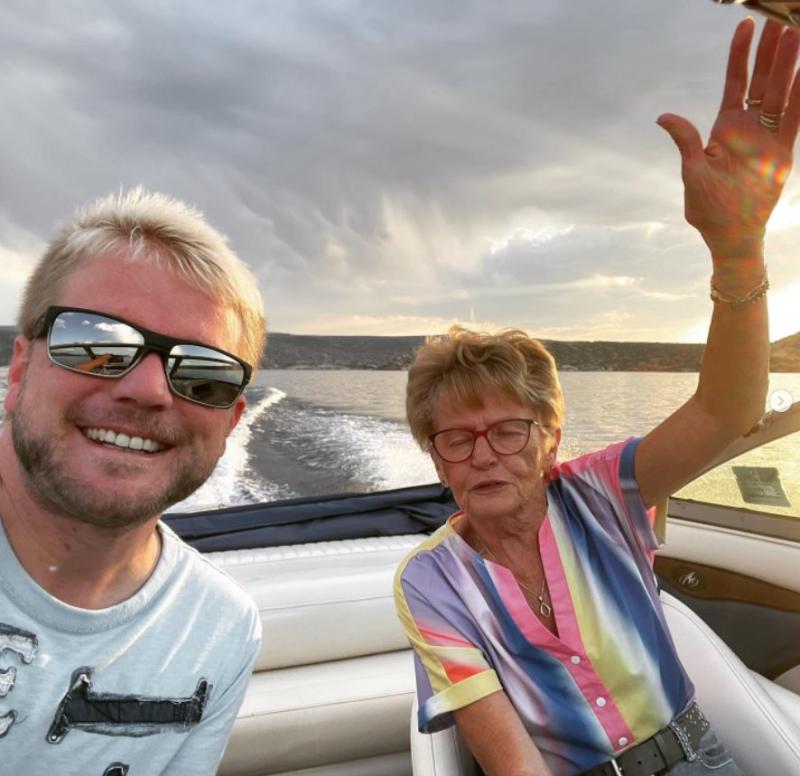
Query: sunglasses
(101,345)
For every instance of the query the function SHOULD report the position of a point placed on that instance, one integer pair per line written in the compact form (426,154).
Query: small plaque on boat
(761,485)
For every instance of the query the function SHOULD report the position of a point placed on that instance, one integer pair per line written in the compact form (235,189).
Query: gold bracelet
(753,295)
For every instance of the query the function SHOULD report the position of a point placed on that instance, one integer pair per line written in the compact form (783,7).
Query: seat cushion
(315,715)
(324,601)
(786,700)
(398,764)
(762,738)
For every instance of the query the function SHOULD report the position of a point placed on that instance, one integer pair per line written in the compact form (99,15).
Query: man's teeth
(123,440)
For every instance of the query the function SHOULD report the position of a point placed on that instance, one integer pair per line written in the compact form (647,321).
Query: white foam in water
(384,452)
(231,482)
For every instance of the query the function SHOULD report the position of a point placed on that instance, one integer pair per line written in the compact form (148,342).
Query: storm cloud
(385,167)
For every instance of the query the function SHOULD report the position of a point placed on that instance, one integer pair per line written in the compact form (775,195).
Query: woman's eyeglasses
(101,345)
(508,437)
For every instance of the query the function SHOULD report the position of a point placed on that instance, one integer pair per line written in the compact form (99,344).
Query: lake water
(317,432)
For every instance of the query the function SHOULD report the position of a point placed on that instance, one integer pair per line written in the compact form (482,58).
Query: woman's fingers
(736,75)
(765,55)
(790,123)
(782,74)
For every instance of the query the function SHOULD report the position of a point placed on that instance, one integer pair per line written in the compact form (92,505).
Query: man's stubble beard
(58,491)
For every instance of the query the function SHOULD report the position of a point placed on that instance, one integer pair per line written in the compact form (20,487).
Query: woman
(534,612)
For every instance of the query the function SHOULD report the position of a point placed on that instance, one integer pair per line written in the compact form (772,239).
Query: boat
(333,693)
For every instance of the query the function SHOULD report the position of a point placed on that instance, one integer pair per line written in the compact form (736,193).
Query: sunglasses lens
(93,344)
(96,345)
(205,375)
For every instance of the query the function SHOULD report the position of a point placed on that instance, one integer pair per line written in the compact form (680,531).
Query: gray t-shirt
(149,686)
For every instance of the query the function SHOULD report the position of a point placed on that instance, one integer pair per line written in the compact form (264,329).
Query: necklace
(545,609)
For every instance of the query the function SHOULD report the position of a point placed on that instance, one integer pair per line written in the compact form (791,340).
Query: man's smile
(122,440)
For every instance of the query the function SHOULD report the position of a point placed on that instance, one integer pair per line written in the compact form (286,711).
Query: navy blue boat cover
(420,509)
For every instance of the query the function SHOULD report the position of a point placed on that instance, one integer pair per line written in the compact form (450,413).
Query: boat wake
(233,480)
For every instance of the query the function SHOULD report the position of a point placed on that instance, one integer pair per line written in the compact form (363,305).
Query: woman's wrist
(739,270)
(738,277)
(747,251)
(740,296)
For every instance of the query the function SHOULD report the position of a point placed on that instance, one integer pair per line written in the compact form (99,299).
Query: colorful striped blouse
(609,679)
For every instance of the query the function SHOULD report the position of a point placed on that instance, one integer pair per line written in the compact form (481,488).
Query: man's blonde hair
(145,226)
(464,367)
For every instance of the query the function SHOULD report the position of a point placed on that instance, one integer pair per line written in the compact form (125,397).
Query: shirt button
(601,702)
(575,660)
(623,741)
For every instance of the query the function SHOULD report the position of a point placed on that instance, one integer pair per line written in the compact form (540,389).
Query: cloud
(382,161)
(375,325)
(15,267)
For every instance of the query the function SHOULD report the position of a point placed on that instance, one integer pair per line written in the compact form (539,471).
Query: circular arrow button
(780,400)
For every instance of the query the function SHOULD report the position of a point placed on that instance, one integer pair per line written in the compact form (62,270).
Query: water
(318,432)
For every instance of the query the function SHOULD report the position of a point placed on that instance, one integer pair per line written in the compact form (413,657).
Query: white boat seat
(344,588)
(306,717)
(758,720)
(762,731)
(787,701)
(334,680)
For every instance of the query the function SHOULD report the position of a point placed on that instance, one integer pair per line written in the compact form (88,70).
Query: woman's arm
(494,733)
(731,187)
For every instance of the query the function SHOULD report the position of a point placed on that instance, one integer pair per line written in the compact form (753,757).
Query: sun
(784,317)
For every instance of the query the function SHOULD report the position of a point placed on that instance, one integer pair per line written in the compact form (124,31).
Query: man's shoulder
(205,580)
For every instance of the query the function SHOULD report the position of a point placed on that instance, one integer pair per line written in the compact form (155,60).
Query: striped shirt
(610,678)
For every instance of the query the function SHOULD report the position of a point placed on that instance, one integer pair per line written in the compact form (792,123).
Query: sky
(390,167)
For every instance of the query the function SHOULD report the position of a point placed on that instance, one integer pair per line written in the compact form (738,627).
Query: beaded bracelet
(753,295)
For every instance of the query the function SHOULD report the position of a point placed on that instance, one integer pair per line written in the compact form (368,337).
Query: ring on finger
(770,121)
(752,102)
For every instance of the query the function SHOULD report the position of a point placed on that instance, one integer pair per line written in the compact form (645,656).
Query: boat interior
(333,689)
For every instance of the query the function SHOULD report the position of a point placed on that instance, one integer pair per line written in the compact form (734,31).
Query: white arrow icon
(780,400)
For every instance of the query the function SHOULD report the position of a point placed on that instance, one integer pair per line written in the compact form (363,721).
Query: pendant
(544,608)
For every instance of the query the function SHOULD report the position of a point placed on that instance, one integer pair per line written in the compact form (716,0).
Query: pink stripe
(609,715)
(563,607)
(584,675)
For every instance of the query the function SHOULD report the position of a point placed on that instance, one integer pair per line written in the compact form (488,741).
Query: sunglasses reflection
(95,344)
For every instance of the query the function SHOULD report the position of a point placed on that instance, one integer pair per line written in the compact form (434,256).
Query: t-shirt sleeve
(609,475)
(451,670)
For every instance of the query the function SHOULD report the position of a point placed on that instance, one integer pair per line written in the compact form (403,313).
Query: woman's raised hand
(733,183)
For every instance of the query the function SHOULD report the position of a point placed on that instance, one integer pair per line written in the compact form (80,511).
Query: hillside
(786,354)
(292,351)
(287,351)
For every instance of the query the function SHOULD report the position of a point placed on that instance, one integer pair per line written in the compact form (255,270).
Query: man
(122,651)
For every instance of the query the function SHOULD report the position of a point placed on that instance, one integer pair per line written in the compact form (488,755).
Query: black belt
(662,750)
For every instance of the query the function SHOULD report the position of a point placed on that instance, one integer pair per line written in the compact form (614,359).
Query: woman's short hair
(463,367)
(152,227)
